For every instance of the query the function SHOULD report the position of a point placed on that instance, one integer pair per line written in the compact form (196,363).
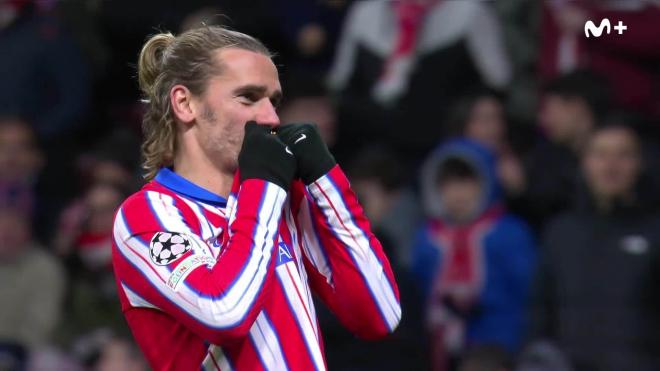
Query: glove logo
(288,150)
(166,247)
(302,137)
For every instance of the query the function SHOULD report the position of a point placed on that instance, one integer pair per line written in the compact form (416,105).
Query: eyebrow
(276,97)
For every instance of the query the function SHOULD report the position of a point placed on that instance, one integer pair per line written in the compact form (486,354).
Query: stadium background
(387,84)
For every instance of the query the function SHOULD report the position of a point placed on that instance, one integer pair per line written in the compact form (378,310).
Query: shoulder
(138,205)
(153,208)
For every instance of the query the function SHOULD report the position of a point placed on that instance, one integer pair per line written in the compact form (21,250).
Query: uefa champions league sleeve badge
(166,247)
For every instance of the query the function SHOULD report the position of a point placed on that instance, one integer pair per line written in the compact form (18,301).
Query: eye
(248,98)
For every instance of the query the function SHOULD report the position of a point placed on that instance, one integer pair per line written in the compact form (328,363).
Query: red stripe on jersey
(353,206)
(302,301)
(243,355)
(351,298)
(296,352)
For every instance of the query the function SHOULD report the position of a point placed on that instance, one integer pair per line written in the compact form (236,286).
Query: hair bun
(150,63)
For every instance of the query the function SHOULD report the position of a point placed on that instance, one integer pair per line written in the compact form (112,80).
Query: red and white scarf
(459,280)
(398,67)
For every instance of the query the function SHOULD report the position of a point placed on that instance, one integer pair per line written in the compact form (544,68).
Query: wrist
(317,168)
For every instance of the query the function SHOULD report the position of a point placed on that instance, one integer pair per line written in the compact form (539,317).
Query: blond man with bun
(242,218)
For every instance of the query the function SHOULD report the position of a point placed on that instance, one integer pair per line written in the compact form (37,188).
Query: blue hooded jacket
(506,250)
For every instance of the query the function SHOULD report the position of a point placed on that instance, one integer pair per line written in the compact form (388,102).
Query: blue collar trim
(179,184)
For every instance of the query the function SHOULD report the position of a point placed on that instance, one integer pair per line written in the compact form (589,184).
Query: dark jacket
(45,78)
(595,293)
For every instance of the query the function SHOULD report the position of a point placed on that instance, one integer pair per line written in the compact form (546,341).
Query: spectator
(114,160)
(572,106)
(44,76)
(84,240)
(86,226)
(473,260)
(399,65)
(596,291)
(46,82)
(31,284)
(480,116)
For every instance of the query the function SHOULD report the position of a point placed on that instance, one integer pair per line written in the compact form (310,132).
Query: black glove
(313,157)
(264,156)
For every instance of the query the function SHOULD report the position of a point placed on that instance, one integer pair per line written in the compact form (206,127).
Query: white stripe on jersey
(307,329)
(358,246)
(311,244)
(267,344)
(136,300)
(216,356)
(301,267)
(209,232)
(167,214)
(230,309)
(214,210)
(230,210)
(205,226)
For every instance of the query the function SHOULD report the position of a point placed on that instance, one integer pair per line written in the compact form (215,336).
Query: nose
(266,114)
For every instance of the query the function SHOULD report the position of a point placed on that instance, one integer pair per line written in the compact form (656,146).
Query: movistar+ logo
(590,28)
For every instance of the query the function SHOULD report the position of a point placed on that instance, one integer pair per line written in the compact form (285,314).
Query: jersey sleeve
(346,263)
(217,299)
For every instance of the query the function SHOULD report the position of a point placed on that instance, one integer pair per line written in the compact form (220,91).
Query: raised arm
(218,300)
(346,263)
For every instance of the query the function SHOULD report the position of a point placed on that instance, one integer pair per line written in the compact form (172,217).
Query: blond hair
(187,59)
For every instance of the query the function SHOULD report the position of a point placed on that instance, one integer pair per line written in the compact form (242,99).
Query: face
(560,118)
(247,89)
(460,198)
(611,163)
(486,123)
(19,157)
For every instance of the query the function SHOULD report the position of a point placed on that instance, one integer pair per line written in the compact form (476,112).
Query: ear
(181,99)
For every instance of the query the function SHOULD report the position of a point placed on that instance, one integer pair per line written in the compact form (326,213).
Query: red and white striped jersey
(211,283)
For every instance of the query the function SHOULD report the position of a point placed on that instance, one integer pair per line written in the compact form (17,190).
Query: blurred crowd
(509,165)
